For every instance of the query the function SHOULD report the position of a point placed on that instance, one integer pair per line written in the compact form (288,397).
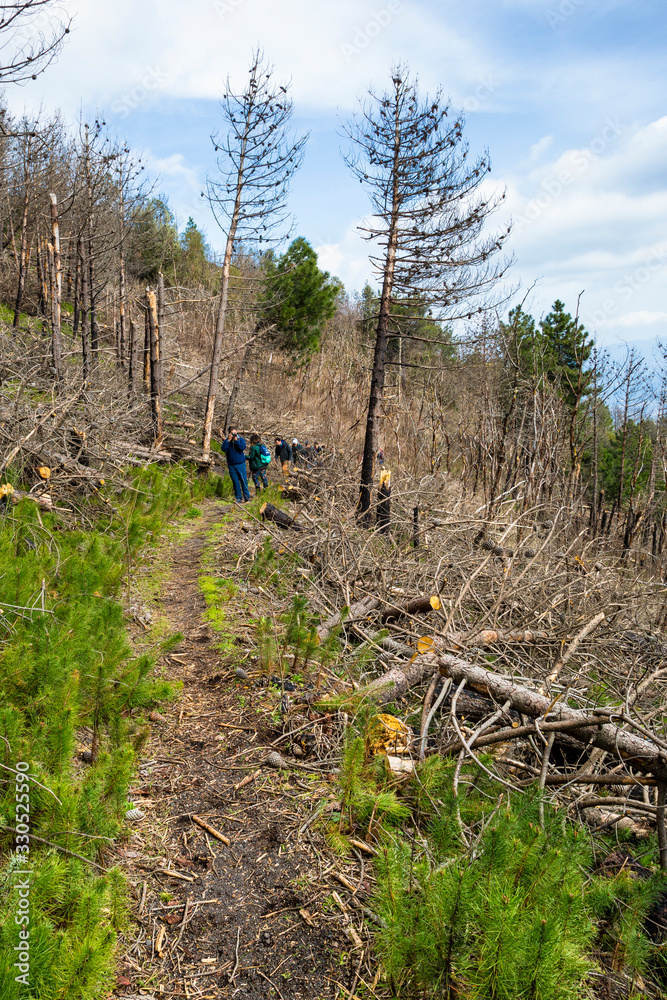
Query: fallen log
(43,500)
(397,680)
(415,606)
(270,513)
(489,636)
(291,492)
(358,610)
(122,448)
(635,750)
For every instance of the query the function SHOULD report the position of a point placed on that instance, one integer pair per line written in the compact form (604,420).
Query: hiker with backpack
(284,455)
(259,457)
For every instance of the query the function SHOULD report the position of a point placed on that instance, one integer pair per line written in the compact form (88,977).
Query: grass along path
(254,917)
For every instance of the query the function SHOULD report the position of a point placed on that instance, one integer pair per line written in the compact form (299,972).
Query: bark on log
(358,610)
(279,517)
(632,749)
(415,606)
(489,636)
(396,681)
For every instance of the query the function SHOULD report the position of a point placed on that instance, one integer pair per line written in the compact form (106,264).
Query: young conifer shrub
(64,670)
(513,910)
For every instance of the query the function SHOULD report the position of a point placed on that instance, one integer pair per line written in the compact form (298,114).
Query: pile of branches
(575,695)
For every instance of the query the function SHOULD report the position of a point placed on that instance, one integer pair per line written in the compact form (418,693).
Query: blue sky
(569,96)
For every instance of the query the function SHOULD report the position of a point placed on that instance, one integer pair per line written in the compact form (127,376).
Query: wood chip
(248,779)
(344,881)
(159,941)
(361,845)
(211,829)
(173,874)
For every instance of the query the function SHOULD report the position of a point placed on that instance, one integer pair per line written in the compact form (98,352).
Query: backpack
(264,454)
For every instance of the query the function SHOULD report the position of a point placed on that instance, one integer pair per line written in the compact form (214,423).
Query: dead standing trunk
(23,256)
(56,291)
(380,355)
(155,366)
(222,307)
(122,329)
(85,315)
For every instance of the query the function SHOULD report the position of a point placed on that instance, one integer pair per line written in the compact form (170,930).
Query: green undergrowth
(478,898)
(74,696)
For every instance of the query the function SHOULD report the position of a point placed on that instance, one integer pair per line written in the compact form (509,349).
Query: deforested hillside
(381,715)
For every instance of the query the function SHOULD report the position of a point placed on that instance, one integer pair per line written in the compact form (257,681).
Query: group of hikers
(259,457)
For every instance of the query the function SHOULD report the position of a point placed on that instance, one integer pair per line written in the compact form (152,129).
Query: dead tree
(257,161)
(56,290)
(155,365)
(428,218)
(26,48)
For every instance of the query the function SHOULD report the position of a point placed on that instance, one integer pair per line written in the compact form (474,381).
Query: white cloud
(348,258)
(583,222)
(331,50)
(538,149)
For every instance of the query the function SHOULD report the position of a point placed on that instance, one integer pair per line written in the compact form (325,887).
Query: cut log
(383,514)
(291,492)
(396,681)
(490,636)
(620,743)
(279,517)
(415,606)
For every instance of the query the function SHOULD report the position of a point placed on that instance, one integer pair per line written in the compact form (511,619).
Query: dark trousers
(259,476)
(239,482)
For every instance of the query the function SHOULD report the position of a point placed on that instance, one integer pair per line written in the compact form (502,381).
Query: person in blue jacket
(234,448)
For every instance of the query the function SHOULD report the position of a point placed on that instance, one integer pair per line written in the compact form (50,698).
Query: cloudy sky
(569,97)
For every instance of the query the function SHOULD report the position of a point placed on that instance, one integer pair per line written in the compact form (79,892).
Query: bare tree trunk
(94,330)
(23,257)
(56,291)
(132,358)
(85,315)
(77,295)
(42,270)
(156,367)
(594,500)
(122,335)
(222,313)
(147,352)
(380,355)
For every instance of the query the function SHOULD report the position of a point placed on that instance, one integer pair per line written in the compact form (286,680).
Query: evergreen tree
(154,243)
(567,349)
(193,265)
(302,298)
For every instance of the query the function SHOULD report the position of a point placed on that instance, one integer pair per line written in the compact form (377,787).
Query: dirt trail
(244,920)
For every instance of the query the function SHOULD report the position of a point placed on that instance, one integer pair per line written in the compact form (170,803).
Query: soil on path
(252,919)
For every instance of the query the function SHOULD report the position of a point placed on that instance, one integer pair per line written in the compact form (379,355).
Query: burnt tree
(428,221)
